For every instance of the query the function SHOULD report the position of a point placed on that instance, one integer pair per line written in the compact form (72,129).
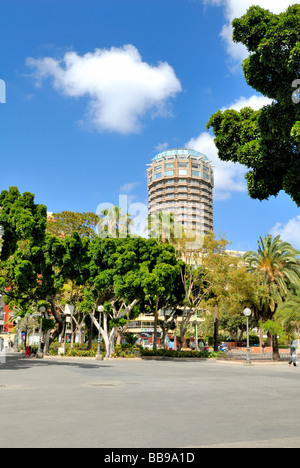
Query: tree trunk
(109,338)
(183,327)
(73,331)
(216,329)
(120,332)
(90,335)
(46,342)
(181,334)
(276,355)
(155,326)
(261,338)
(269,339)
(59,320)
(175,335)
(119,336)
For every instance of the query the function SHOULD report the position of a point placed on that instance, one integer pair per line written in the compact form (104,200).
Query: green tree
(205,276)
(128,276)
(279,269)
(161,226)
(67,222)
(22,221)
(113,223)
(167,321)
(161,281)
(288,313)
(38,274)
(236,324)
(116,282)
(266,141)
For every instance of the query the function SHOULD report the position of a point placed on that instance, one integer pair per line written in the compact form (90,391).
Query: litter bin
(28,350)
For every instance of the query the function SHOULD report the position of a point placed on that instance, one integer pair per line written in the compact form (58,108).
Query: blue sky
(94,89)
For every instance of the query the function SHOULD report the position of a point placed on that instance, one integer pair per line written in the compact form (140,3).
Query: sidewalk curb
(242,362)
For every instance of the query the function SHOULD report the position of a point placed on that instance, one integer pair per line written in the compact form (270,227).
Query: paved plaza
(147,404)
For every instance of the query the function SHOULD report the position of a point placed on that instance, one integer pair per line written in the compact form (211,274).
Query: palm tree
(161,226)
(113,223)
(279,268)
(288,313)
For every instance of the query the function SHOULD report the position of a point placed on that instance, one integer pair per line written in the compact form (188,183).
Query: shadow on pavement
(17,361)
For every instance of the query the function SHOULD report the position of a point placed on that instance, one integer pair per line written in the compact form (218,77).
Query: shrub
(126,351)
(253,340)
(180,354)
(80,353)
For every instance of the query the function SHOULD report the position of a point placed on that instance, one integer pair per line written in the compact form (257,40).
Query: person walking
(293,353)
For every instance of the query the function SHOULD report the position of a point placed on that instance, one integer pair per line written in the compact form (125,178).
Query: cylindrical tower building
(181,181)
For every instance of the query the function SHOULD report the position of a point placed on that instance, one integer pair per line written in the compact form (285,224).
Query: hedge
(181,354)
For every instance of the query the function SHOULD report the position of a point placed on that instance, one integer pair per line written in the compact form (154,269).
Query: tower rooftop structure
(180,152)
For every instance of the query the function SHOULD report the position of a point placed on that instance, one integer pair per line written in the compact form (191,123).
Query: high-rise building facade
(181,181)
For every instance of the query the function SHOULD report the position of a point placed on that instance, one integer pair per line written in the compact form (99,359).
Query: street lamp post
(98,355)
(247,312)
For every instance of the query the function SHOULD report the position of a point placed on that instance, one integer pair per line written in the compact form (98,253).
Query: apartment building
(143,326)
(181,181)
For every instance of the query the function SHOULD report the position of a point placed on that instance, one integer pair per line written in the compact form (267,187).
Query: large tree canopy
(127,276)
(277,262)
(21,221)
(266,141)
(67,222)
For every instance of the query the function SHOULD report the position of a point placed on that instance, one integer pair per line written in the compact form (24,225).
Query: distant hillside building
(181,181)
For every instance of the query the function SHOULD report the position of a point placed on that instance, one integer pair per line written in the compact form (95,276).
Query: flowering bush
(180,354)
(80,353)
(126,351)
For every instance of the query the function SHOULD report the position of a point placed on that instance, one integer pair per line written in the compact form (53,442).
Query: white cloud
(237,8)
(120,87)
(289,232)
(161,147)
(129,187)
(126,192)
(255,102)
(229,176)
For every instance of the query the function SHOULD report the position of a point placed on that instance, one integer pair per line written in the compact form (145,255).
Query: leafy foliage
(132,275)
(180,354)
(279,269)
(266,141)
(23,222)
(67,222)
